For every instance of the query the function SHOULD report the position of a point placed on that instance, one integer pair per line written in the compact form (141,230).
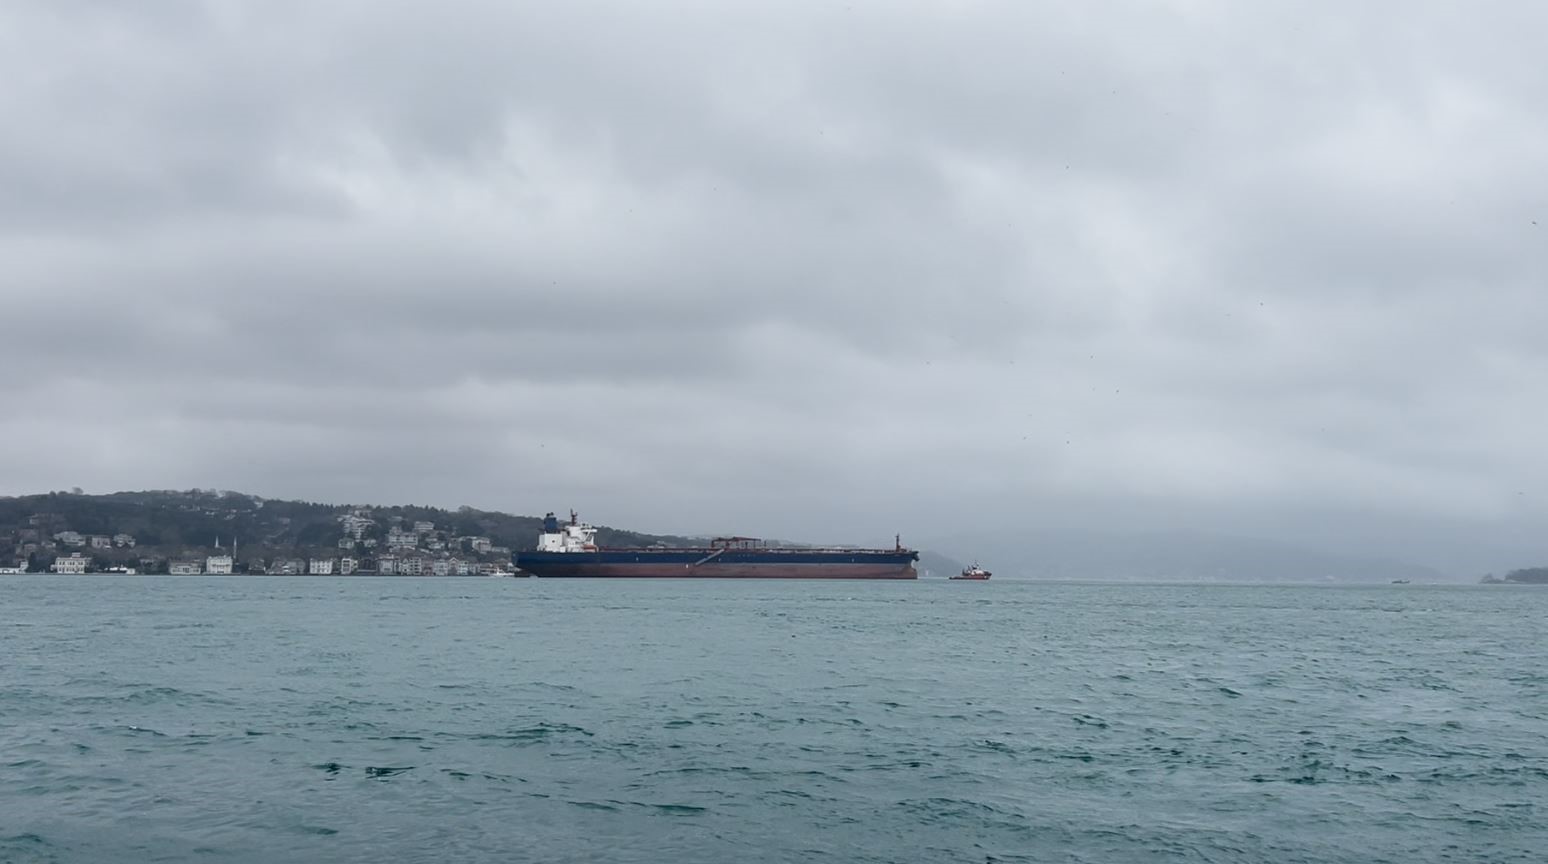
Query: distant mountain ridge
(1153,557)
(933,565)
(1524,576)
(169,524)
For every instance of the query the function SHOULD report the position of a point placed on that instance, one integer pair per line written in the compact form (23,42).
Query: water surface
(296,719)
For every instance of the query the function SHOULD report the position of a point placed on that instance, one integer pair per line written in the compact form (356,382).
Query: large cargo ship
(570,550)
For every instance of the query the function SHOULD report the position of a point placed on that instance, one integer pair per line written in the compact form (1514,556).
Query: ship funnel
(550,524)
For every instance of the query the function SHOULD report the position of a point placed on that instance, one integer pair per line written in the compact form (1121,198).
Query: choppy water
(470,720)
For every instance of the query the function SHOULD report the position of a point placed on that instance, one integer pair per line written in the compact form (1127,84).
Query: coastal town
(365,544)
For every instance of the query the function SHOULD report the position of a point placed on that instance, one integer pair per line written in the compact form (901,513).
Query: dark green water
(472,720)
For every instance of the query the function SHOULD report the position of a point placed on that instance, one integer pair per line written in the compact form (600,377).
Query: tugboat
(972,574)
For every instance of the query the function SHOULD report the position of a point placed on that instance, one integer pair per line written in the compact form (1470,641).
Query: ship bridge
(574,536)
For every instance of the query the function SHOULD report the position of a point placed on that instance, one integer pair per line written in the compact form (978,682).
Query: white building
(423,527)
(411,567)
(400,539)
(73,564)
(124,540)
(218,565)
(480,544)
(348,566)
(70,538)
(183,568)
(355,525)
(387,565)
(320,566)
(440,567)
(101,541)
(12,571)
(462,568)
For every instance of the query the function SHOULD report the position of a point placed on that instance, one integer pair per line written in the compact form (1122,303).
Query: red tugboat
(972,574)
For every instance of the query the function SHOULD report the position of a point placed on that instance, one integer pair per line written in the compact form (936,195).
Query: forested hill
(173,523)
(1525,576)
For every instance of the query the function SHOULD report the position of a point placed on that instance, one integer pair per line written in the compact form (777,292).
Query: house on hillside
(397,538)
(354,525)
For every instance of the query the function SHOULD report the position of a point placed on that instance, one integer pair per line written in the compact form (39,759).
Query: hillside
(1524,576)
(146,530)
(933,565)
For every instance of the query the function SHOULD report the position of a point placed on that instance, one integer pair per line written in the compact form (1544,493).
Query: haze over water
(280,719)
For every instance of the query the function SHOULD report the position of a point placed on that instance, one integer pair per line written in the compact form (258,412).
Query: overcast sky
(815,270)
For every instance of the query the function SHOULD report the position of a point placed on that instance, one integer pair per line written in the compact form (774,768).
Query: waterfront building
(74,564)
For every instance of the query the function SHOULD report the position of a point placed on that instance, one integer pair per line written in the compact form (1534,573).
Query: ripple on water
(754,722)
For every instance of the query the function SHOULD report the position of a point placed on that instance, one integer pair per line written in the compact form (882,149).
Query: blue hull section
(718,564)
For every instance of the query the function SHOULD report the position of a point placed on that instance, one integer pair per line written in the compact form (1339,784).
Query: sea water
(234,719)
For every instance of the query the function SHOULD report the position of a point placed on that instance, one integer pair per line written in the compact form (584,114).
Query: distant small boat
(1399,581)
(972,574)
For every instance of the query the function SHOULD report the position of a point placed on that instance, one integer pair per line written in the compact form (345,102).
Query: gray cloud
(816,270)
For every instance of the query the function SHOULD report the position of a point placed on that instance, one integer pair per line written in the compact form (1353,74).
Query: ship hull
(706,564)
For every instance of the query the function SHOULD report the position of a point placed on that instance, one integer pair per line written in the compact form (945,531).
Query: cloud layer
(826,270)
